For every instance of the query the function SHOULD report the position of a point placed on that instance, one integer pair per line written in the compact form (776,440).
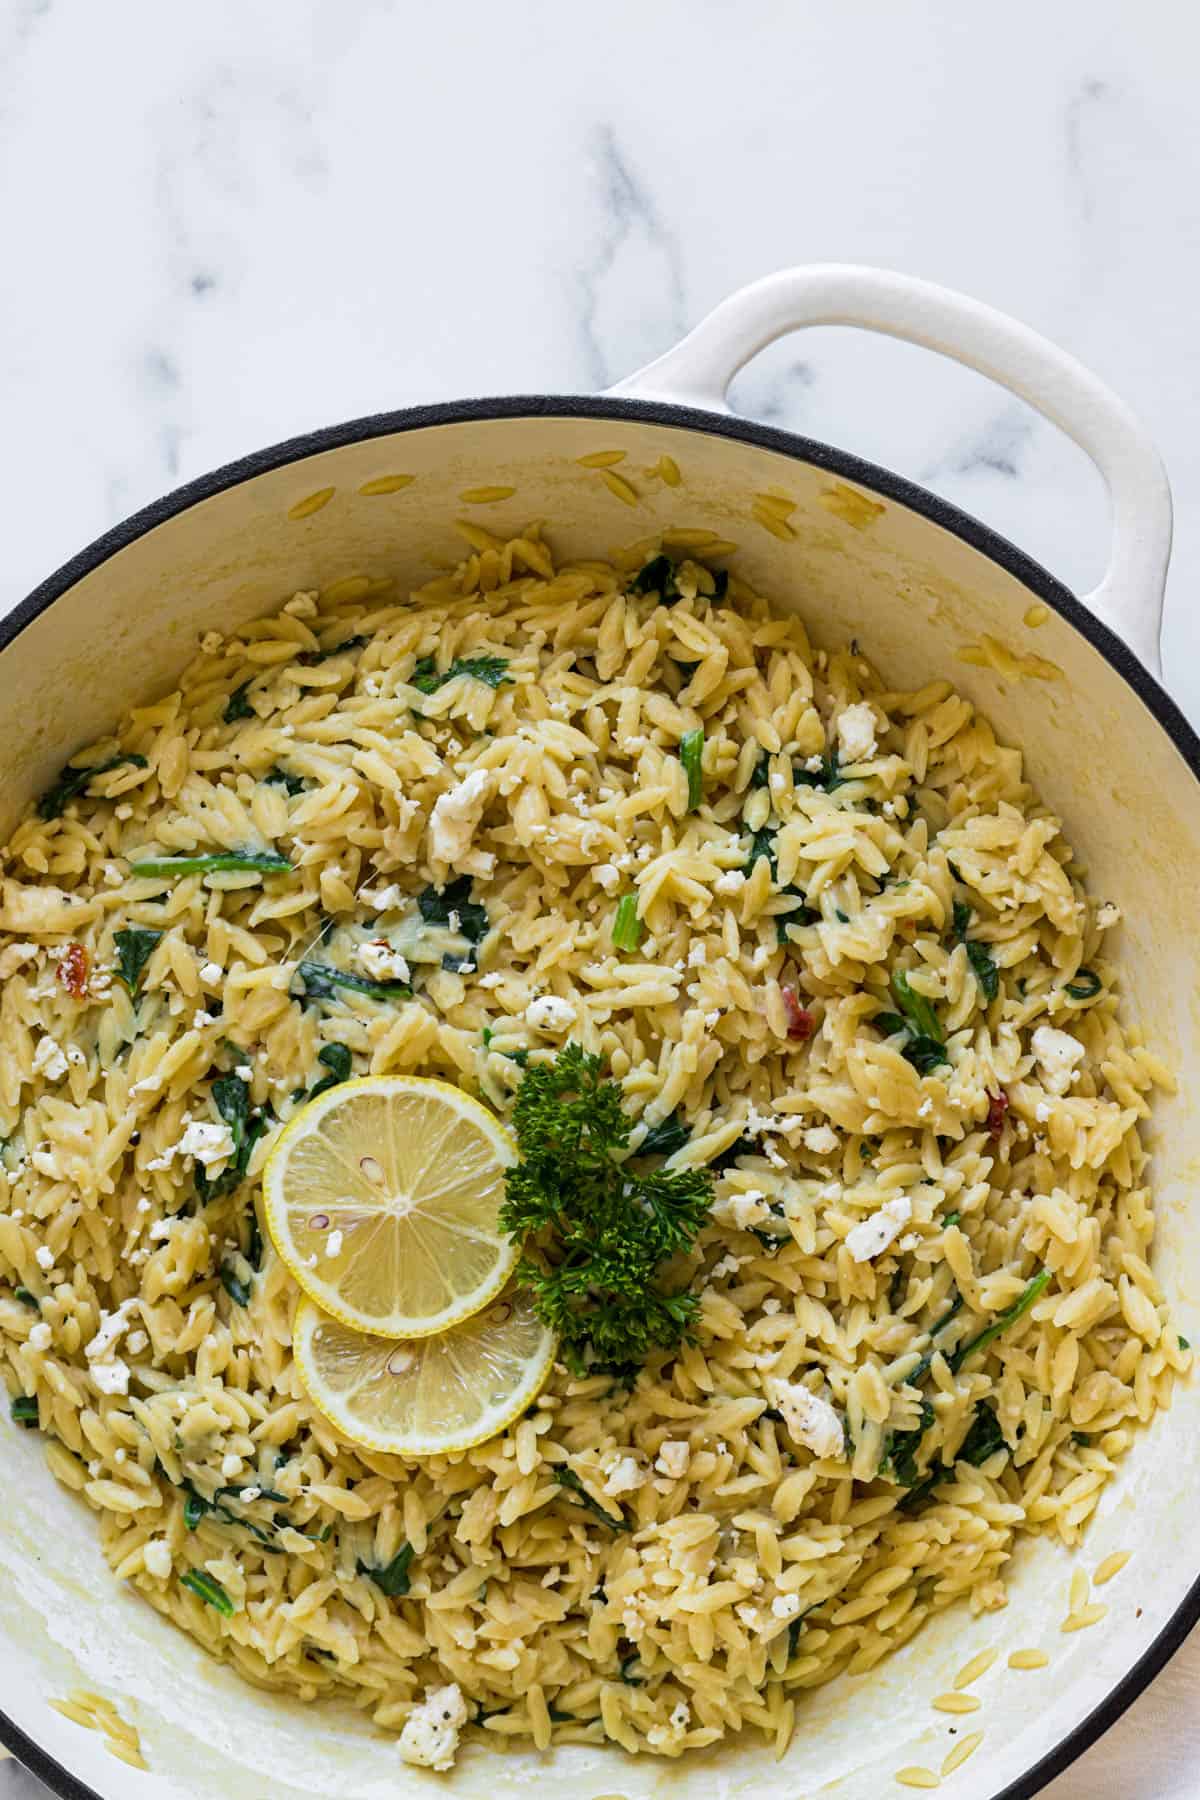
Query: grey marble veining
(223,224)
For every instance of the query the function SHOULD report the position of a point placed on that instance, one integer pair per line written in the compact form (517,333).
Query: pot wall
(914,595)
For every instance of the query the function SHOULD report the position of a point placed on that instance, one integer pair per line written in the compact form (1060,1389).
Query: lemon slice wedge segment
(383,1196)
(426,1396)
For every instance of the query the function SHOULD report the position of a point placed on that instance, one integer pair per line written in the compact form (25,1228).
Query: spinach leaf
(134,947)
(743,1146)
(263,862)
(72,781)
(917,1009)
(657,577)
(237,706)
(986,972)
(978,955)
(828,776)
(336,1059)
(924,1047)
(983,1439)
(232,1098)
(436,905)
(31,1301)
(254,1241)
(1085,985)
(234,1286)
(393,1578)
(277,777)
(321,981)
(24,1411)
(311,657)
(904,1445)
(569,1479)
(209,1590)
(762,843)
(1019,1307)
(491,670)
(663,1139)
(691,755)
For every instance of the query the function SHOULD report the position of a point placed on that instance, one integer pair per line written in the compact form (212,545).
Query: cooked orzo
(831,948)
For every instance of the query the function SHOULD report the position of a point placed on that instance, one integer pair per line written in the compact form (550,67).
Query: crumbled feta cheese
(673,1458)
(456,815)
(210,642)
(1108,914)
(1041,1111)
(728,1265)
(697,955)
(430,1735)
(822,1140)
(41,1337)
(210,972)
(160,1229)
(624,1476)
(1057,1052)
(870,1237)
(856,733)
(771,1305)
(303,605)
(810,1420)
(206,1144)
(201,1019)
(156,1555)
(608,876)
(137,1340)
(231,1465)
(385,899)
(334,1242)
(111,1377)
(491,980)
(785,1606)
(244,1072)
(48,1060)
(381,962)
(681,1716)
(743,1211)
(249,1494)
(112,1328)
(549,1013)
(731,882)
(44,1256)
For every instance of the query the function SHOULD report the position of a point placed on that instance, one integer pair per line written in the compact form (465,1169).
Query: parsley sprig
(595,1231)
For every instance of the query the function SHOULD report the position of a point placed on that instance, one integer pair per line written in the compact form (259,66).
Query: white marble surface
(222,224)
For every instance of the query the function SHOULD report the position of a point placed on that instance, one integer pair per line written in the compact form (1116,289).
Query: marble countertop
(223,224)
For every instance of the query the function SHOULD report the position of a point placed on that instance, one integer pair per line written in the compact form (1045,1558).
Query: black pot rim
(896,488)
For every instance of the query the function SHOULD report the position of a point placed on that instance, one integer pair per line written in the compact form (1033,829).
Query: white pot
(1105,746)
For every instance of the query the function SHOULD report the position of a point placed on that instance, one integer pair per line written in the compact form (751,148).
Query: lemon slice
(428,1395)
(382,1197)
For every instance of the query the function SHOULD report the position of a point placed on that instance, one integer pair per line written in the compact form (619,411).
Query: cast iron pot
(916,582)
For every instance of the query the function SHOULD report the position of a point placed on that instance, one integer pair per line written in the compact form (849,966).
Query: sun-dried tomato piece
(997,1107)
(800,1022)
(73,969)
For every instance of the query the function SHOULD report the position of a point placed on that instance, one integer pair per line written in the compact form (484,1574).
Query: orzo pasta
(855,976)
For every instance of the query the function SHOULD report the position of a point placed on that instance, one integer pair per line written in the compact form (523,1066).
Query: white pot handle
(698,371)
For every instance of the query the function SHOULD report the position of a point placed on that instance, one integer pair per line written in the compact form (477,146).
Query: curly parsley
(595,1232)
